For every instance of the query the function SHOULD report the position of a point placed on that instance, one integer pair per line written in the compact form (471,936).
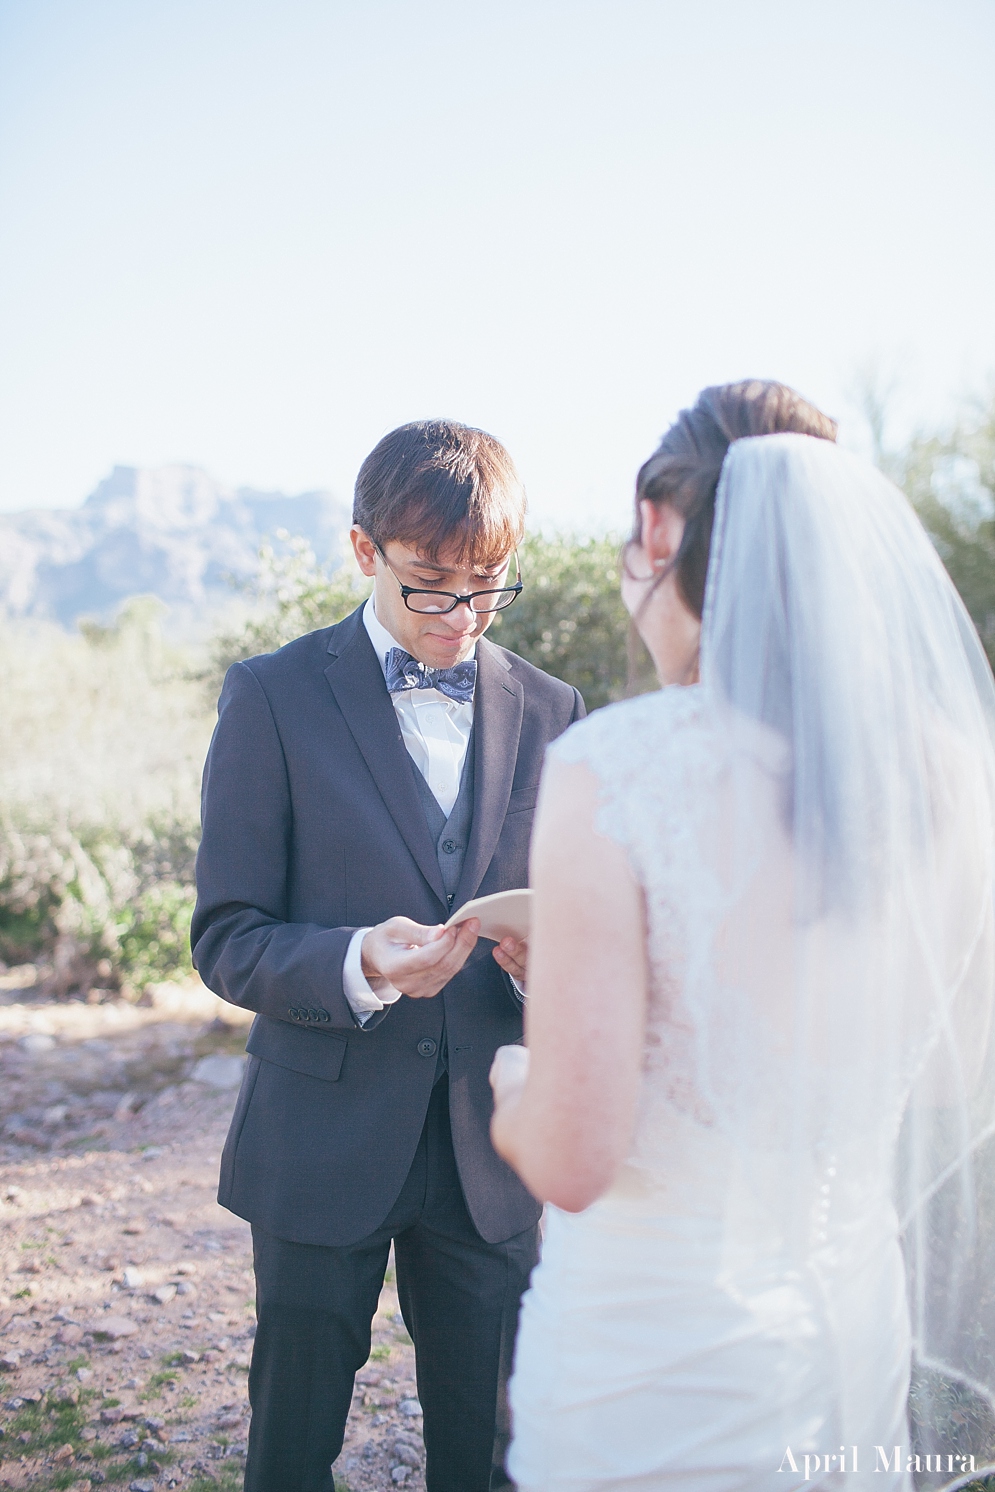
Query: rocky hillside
(169,531)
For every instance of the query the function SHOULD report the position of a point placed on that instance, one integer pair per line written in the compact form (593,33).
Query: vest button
(450,846)
(427,1047)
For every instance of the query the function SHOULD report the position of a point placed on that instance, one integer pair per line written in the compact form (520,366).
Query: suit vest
(451,836)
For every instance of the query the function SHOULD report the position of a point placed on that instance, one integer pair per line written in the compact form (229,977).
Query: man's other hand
(417,960)
(512,955)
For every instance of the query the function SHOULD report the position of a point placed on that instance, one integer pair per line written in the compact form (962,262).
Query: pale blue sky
(256,234)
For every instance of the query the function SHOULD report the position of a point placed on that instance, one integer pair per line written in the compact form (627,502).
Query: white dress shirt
(436,733)
(436,729)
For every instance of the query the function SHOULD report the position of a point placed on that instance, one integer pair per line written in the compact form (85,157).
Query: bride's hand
(509,1070)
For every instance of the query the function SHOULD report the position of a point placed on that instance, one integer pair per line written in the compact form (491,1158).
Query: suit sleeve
(243,947)
(579,712)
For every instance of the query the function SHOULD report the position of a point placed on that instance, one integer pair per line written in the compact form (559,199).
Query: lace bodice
(655,757)
(696,796)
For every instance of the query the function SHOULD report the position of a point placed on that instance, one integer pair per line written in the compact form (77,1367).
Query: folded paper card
(506,914)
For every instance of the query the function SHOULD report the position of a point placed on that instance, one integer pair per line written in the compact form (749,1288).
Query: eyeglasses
(439,602)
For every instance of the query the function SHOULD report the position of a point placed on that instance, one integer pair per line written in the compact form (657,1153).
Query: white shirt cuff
(362,999)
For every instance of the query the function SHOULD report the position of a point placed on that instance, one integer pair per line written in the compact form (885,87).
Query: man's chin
(438,654)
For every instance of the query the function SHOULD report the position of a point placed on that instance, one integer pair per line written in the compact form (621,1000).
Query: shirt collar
(381,638)
(378,635)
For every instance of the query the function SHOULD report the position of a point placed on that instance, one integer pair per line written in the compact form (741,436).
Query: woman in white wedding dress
(758,1092)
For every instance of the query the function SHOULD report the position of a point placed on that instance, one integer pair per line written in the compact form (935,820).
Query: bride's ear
(661,529)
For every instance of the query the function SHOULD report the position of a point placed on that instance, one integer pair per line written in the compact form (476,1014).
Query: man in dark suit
(363,782)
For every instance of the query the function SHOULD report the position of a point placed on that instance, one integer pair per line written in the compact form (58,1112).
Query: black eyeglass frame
(514,591)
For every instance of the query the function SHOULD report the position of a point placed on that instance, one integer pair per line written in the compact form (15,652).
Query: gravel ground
(126,1294)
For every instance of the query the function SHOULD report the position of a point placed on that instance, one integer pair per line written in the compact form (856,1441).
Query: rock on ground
(126,1292)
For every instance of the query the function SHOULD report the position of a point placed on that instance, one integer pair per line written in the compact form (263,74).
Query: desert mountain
(169,531)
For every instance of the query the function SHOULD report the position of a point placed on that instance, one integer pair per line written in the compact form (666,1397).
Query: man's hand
(417,960)
(511,954)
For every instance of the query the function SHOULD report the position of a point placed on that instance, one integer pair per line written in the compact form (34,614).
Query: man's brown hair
(443,488)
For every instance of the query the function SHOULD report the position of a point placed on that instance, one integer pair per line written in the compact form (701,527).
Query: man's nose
(461,617)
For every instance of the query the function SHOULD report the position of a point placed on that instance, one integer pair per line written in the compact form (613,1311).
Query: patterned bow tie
(405,672)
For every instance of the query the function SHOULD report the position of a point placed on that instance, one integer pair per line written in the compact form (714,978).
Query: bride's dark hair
(684,469)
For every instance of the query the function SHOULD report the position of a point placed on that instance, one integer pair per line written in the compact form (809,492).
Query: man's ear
(364,549)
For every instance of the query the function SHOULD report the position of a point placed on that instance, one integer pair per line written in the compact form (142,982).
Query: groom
(362,783)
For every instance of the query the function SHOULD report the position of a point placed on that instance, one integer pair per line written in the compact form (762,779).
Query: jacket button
(427,1047)
(323,1015)
(312,1015)
(295,1015)
(450,846)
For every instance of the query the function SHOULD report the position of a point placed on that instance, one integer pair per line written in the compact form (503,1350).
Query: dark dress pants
(459,1298)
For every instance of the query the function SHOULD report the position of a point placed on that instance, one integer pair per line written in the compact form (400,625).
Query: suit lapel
(356,680)
(497,725)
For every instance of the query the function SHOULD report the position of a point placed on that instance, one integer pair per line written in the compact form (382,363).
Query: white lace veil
(842,984)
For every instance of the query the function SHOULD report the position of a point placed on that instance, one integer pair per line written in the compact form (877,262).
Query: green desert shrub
(570,621)
(290,594)
(950,479)
(102,738)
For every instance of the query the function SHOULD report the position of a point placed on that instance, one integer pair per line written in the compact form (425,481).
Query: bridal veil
(841,964)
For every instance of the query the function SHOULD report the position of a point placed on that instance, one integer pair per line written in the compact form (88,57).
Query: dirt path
(126,1295)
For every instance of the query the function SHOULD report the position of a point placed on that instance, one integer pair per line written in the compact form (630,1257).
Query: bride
(759,1089)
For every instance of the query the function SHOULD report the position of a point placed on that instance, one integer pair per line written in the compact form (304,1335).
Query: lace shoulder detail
(639,750)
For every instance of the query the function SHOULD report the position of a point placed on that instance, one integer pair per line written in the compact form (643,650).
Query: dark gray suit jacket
(312,828)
